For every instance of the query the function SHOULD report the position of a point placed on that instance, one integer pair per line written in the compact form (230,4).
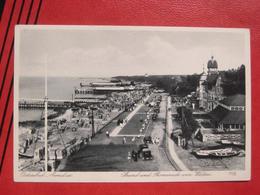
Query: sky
(87,52)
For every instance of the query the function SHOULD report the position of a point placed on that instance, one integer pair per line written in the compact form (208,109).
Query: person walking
(134,155)
(107,134)
(124,140)
(129,156)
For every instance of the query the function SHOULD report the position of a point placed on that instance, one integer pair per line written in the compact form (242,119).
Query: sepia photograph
(131,104)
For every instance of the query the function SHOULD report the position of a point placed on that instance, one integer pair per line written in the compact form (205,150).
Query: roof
(211,80)
(108,88)
(103,84)
(218,113)
(226,116)
(234,117)
(90,96)
(234,100)
(84,88)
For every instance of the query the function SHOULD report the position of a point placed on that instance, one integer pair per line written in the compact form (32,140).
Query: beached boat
(226,142)
(233,143)
(208,152)
(25,155)
(201,154)
(237,143)
(225,154)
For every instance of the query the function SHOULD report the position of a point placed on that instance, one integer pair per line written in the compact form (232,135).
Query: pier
(39,103)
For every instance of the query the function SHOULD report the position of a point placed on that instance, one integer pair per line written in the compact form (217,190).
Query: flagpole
(46,116)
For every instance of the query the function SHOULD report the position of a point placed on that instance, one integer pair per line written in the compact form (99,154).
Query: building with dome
(212,66)
(209,90)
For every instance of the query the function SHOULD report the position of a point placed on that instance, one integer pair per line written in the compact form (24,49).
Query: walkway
(115,132)
(171,145)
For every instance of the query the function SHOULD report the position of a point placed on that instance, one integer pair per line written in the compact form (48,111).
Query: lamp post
(92,108)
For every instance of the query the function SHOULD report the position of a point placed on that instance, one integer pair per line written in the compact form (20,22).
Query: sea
(58,88)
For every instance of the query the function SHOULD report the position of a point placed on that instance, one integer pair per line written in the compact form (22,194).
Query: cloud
(92,62)
(128,54)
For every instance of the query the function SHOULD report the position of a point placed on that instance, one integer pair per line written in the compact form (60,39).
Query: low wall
(218,137)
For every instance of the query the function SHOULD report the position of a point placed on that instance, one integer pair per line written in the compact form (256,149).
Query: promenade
(118,128)
(110,153)
(179,165)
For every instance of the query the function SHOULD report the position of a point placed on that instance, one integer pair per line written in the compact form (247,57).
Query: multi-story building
(209,90)
(229,115)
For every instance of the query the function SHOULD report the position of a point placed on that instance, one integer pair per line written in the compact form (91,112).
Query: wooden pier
(40,103)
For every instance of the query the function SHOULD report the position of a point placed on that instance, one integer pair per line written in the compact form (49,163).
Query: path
(158,131)
(171,145)
(115,132)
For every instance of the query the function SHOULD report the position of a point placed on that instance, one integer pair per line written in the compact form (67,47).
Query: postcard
(131,104)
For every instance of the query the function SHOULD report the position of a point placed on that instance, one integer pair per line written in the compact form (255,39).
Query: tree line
(182,85)
(234,81)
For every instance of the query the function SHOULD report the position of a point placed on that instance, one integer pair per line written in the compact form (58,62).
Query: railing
(40,103)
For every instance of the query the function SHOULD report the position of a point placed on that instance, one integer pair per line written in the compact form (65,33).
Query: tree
(179,112)
(189,124)
(234,82)
(166,82)
(187,84)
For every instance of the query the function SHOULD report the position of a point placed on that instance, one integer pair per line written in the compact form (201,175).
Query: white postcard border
(153,176)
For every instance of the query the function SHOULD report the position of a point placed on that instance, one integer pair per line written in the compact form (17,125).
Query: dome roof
(212,63)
